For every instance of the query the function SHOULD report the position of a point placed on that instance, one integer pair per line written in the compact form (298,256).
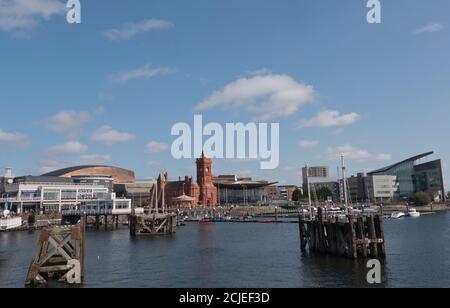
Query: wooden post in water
(59,256)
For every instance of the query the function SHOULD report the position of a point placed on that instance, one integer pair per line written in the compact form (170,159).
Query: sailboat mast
(309,189)
(344,180)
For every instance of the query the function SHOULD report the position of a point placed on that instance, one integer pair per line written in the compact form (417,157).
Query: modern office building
(412,177)
(287,191)
(316,172)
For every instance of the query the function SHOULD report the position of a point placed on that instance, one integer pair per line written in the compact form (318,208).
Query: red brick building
(204,193)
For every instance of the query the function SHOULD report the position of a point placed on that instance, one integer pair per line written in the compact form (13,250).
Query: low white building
(382,188)
(56,195)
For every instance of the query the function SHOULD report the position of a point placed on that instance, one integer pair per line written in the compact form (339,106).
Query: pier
(59,256)
(352,236)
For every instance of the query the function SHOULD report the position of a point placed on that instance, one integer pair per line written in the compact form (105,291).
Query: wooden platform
(153,224)
(59,256)
(359,236)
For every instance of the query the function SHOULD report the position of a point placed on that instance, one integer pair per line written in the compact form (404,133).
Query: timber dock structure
(59,256)
(352,236)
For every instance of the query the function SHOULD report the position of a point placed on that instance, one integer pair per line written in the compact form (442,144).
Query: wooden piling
(354,237)
(59,256)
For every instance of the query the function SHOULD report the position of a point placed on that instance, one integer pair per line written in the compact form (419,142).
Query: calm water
(243,255)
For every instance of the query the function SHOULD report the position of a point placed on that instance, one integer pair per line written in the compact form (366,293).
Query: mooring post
(379,230)
(372,237)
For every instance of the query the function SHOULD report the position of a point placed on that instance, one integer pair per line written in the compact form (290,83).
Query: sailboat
(8,222)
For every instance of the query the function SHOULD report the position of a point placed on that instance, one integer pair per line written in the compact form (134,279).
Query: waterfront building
(413,177)
(201,193)
(138,192)
(241,191)
(287,191)
(118,175)
(46,194)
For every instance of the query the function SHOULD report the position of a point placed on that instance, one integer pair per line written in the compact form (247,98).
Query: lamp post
(276,214)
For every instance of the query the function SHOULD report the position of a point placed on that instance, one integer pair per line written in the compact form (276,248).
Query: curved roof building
(118,175)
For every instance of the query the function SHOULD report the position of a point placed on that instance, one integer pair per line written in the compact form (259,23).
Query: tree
(297,195)
(421,199)
(324,193)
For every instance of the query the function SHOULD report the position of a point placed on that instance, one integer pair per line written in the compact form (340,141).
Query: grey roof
(61,172)
(42,179)
(411,159)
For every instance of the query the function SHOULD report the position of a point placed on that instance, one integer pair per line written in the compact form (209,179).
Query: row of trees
(322,194)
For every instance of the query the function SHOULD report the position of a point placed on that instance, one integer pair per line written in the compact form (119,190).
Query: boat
(204,221)
(8,222)
(265,221)
(413,213)
(398,215)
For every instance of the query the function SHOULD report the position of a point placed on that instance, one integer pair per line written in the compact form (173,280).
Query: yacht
(8,222)
(398,215)
(413,213)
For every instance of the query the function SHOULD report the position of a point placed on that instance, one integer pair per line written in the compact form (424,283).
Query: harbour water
(243,255)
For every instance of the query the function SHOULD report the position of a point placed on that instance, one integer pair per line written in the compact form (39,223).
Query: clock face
(10,181)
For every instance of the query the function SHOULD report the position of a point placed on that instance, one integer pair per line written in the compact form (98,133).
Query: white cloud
(68,122)
(330,118)
(260,71)
(131,29)
(146,71)
(13,137)
(308,144)
(24,15)
(152,164)
(267,96)
(93,159)
(352,153)
(108,136)
(68,148)
(430,28)
(154,147)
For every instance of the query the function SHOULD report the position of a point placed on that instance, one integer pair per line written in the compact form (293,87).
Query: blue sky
(110,89)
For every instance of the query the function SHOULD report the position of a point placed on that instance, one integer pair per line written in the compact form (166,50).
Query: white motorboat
(398,215)
(413,213)
(8,222)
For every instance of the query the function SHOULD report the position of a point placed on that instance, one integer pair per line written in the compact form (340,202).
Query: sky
(109,90)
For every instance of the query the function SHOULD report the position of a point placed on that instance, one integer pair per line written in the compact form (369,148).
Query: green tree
(421,199)
(297,195)
(324,193)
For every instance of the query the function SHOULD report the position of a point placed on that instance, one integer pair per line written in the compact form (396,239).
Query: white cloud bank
(68,122)
(430,28)
(132,29)
(268,96)
(13,137)
(155,147)
(24,15)
(308,144)
(109,136)
(144,72)
(352,153)
(329,118)
(68,148)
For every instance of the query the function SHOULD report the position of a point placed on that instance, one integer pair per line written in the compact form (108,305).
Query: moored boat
(8,222)
(398,215)
(413,213)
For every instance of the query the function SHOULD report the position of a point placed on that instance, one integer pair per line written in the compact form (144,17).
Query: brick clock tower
(208,192)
